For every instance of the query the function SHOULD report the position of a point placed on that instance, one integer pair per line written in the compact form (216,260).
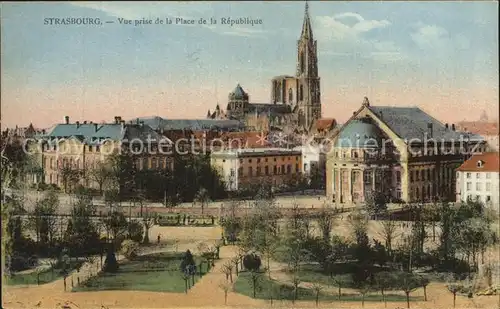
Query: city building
(80,147)
(488,130)
(401,152)
(313,159)
(295,100)
(244,168)
(478,178)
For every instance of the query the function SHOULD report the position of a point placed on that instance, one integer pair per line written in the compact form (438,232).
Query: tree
(202,197)
(454,288)
(407,283)
(384,281)
(227,269)
(376,203)
(43,218)
(295,283)
(135,231)
(70,176)
(325,222)
(187,262)
(317,288)
(338,281)
(389,228)
(110,264)
(364,288)
(81,232)
(116,225)
(226,287)
(255,280)
(101,174)
(424,282)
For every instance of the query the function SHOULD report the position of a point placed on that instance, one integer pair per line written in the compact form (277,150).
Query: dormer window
(480,163)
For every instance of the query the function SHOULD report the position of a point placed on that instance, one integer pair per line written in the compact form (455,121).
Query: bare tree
(100,174)
(295,281)
(255,281)
(226,287)
(203,198)
(317,288)
(325,221)
(388,232)
(227,269)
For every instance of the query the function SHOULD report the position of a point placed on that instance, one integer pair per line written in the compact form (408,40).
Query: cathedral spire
(306,26)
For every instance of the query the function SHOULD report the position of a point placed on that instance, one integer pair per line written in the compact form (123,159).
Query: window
(423,175)
(411,176)
(305,167)
(478,197)
(488,186)
(266,170)
(488,175)
(232,172)
(241,160)
(240,171)
(478,175)
(90,148)
(275,170)
(289,169)
(478,186)
(258,170)
(488,198)
(469,175)
(266,159)
(428,174)
(249,160)
(417,174)
(469,186)
(274,159)
(97,148)
(283,170)
(398,176)
(223,160)
(479,163)
(258,160)
(296,168)
(290,95)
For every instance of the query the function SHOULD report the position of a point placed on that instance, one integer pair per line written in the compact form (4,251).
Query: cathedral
(295,100)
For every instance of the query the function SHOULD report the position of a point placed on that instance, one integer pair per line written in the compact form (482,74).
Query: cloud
(348,32)
(438,39)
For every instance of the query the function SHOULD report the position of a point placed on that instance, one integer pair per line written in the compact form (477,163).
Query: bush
(135,231)
(187,264)
(110,264)
(252,262)
(129,249)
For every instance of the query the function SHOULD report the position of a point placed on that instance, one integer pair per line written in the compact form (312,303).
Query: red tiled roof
(490,163)
(325,123)
(245,139)
(481,128)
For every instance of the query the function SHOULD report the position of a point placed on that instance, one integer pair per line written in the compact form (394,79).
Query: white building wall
(481,185)
(228,167)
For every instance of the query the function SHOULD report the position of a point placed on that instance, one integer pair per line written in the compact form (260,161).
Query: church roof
(360,134)
(270,109)
(306,26)
(238,93)
(412,123)
(158,123)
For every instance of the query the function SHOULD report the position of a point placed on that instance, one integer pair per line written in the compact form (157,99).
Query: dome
(238,94)
(360,134)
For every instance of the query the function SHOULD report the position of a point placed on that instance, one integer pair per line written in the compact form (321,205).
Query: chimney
(78,124)
(429,128)
(446,126)
(66,119)
(122,122)
(85,122)
(381,115)
(95,127)
(142,124)
(137,121)
(453,127)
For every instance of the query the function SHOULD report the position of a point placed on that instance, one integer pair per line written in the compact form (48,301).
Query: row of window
(487,198)
(431,174)
(265,159)
(276,170)
(479,175)
(479,186)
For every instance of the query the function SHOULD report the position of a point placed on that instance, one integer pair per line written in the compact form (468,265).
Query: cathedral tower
(308,89)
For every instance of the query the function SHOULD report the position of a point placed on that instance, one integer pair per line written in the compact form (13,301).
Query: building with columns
(402,152)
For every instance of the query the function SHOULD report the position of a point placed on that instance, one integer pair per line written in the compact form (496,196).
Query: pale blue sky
(442,56)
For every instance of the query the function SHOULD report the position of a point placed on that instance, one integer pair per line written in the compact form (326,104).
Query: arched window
(301,92)
(302,62)
(290,95)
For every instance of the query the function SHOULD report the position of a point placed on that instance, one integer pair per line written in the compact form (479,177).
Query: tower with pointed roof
(237,106)
(308,81)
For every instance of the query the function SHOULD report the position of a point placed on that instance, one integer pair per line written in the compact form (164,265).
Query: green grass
(280,291)
(46,276)
(154,272)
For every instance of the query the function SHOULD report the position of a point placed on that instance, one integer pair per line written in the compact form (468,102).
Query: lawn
(46,276)
(280,291)
(157,272)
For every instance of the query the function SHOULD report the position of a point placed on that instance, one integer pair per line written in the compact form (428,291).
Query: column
(350,185)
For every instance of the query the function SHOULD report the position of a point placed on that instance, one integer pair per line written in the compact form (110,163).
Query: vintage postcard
(250,154)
